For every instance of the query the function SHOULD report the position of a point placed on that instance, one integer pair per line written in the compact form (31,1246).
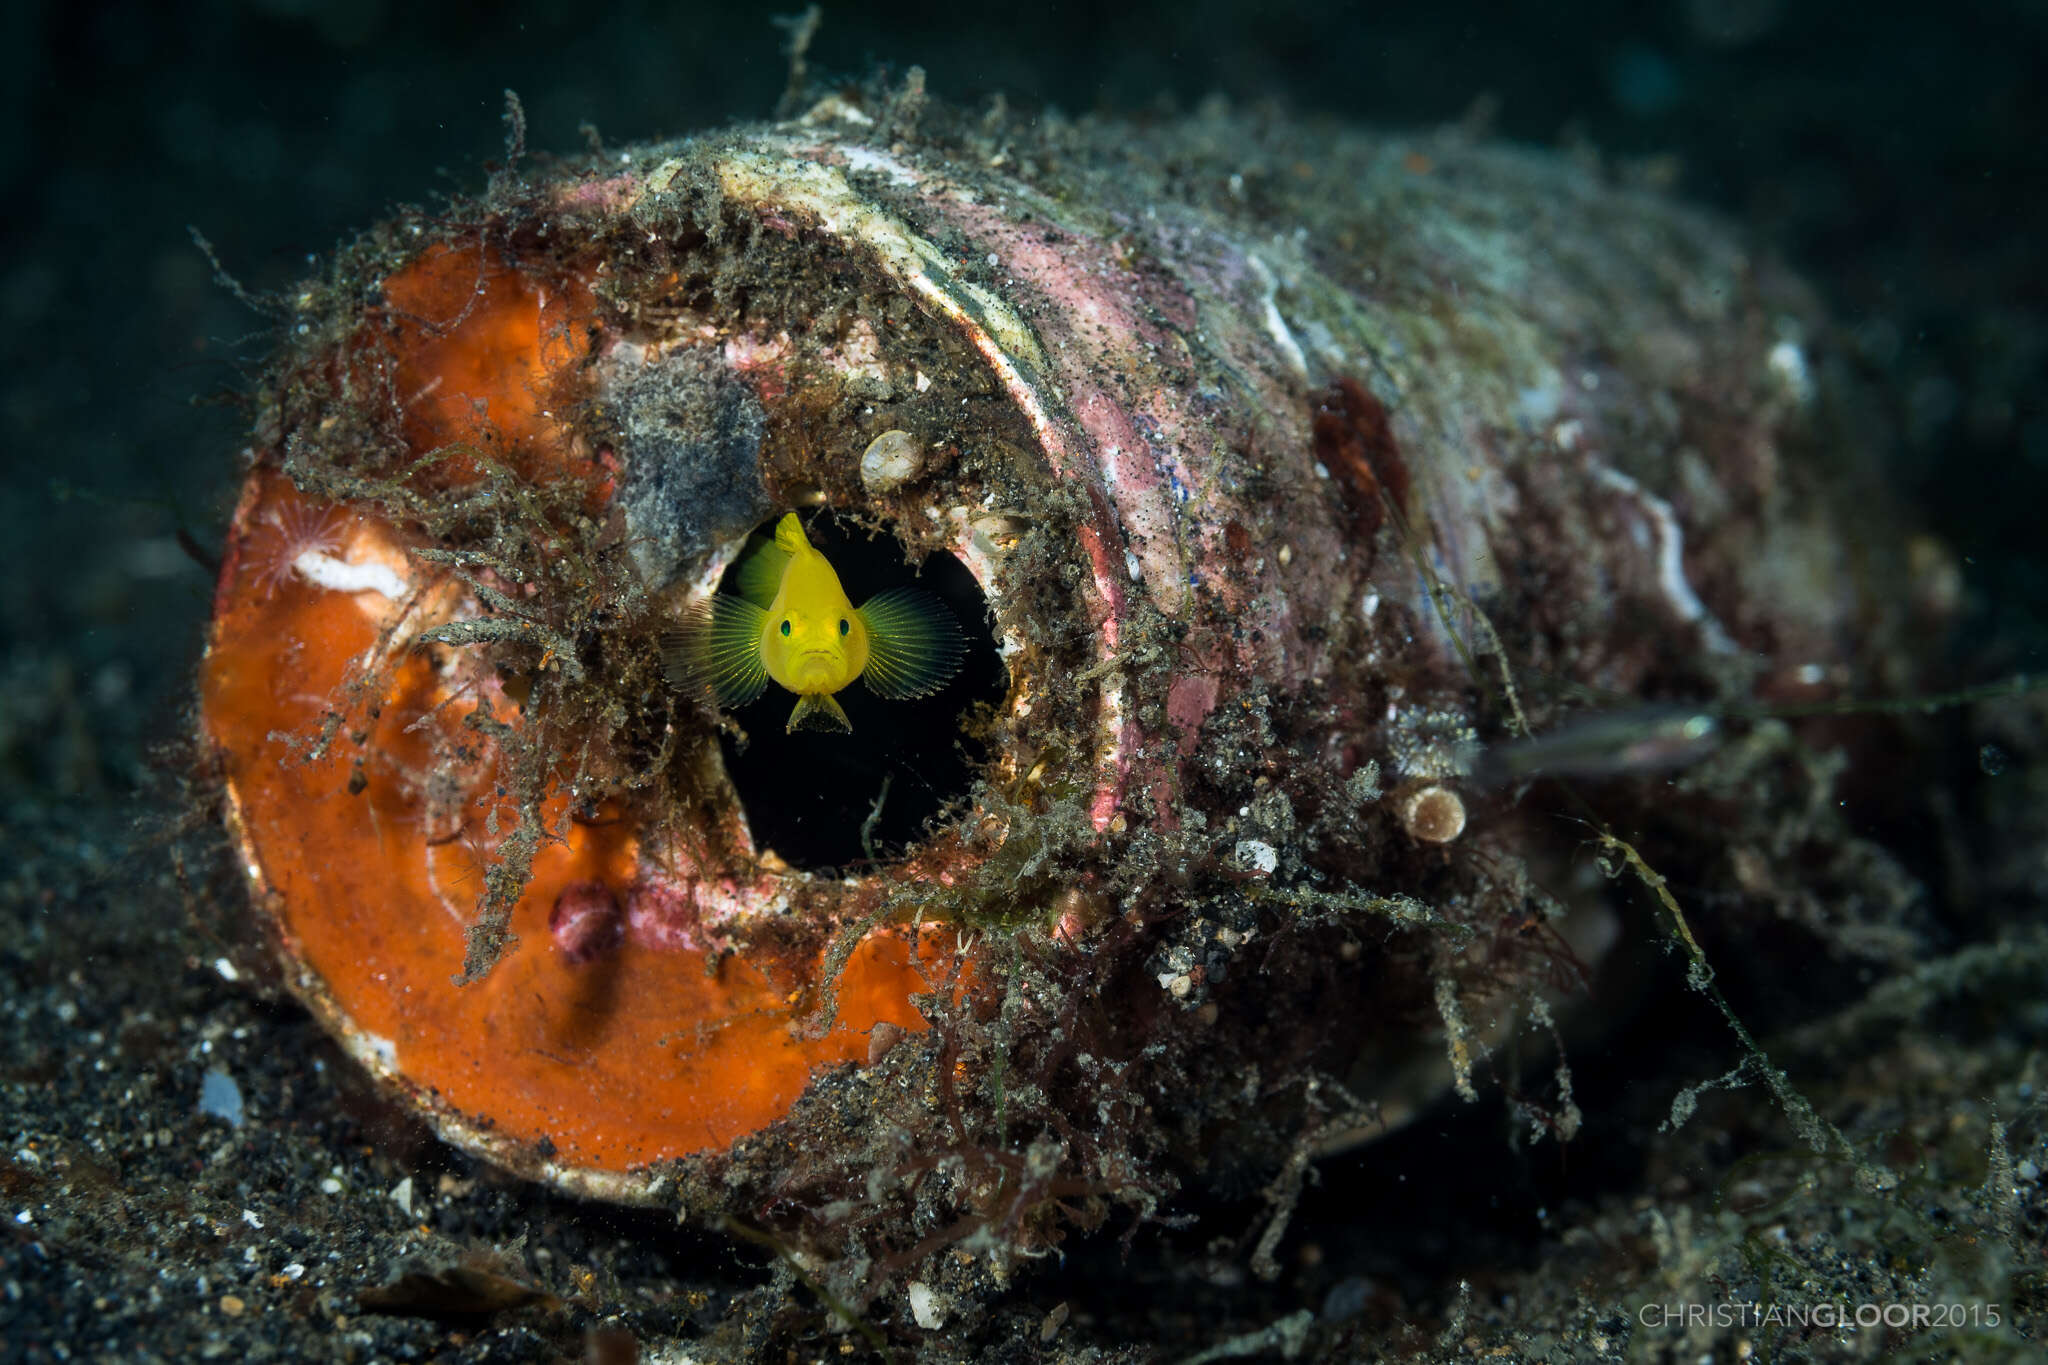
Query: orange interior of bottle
(641,1053)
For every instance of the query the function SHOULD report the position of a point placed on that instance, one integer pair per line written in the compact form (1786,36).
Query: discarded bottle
(1293,468)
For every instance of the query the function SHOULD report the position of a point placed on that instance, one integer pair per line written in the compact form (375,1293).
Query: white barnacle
(891,460)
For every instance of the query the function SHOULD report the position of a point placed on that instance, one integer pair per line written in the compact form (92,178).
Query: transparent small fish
(1644,739)
(792,622)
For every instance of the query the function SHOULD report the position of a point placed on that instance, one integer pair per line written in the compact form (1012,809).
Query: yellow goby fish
(791,621)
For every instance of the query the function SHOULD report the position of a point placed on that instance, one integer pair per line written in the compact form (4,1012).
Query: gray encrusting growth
(690,440)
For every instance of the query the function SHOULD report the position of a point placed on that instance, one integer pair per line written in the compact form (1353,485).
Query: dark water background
(1893,152)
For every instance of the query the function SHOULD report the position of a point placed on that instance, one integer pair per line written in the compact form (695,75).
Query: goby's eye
(845,625)
(785,625)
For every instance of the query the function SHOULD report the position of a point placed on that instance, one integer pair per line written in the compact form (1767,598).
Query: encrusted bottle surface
(1288,474)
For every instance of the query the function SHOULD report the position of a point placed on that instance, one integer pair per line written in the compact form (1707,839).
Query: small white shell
(928,1307)
(1257,857)
(1433,814)
(891,460)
